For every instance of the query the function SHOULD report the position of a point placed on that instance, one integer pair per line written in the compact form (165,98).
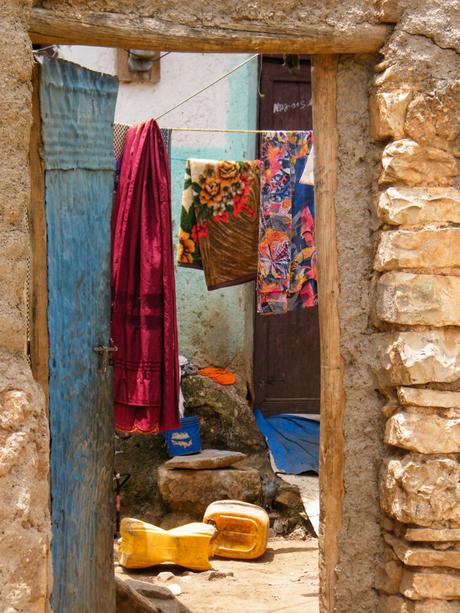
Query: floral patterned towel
(219,220)
(286,278)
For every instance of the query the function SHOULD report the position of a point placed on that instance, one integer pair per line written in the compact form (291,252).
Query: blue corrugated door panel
(77,111)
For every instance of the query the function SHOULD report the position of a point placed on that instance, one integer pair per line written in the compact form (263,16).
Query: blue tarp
(293,441)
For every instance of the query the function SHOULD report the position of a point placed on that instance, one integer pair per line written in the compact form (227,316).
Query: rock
(418,585)
(219,574)
(388,577)
(432,535)
(421,490)
(415,357)
(423,433)
(194,490)
(388,112)
(208,458)
(175,589)
(165,576)
(399,604)
(416,299)
(423,556)
(405,161)
(281,525)
(130,601)
(392,604)
(419,205)
(289,496)
(387,523)
(390,408)
(150,590)
(226,418)
(429,249)
(433,606)
(434,120)
(419,397)
(16,409)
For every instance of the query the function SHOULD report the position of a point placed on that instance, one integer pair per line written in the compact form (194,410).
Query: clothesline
(229,130)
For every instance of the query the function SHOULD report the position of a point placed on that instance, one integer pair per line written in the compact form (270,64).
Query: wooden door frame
(123,31)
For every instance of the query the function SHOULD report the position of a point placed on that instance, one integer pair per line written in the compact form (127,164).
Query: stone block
(418,299)
(416,357)
(419,205)
(408,163)
(388,113)
(419,585)
(421,490)
(423,556)
(434,606)
(428,249)
(192,491)
(388,577)
(423,433)
(434,120)
(423,397)
(432,535)
(392,604)
(208,458)
(399,604)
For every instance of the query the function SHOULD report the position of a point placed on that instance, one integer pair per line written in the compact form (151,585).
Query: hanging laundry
(286,278)
(308,176)
(120,131)
(219,220)
(144,327)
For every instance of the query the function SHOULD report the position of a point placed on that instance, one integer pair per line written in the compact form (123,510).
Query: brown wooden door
(286,347)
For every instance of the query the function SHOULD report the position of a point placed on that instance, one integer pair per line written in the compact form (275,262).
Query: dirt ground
(283,580)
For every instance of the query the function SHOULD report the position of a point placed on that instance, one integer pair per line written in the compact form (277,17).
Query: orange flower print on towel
(220,205)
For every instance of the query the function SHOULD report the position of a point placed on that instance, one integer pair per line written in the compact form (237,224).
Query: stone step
(192,491)
(206,459)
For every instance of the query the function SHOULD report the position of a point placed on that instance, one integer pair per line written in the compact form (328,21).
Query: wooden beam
(324,72)
(134,32)
(37,221)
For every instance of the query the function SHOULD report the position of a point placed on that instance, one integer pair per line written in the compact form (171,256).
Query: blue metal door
(77,111)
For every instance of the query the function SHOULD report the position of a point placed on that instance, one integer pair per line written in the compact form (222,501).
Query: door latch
(103,353)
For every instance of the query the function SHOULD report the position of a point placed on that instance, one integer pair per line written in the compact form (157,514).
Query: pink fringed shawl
(144,327)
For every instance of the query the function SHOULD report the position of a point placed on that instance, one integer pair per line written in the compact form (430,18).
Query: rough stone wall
(24,448)
(415,113)
(360,544)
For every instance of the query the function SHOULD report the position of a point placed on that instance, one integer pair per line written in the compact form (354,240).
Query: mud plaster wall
(359,541)
(259,13)
(24,450)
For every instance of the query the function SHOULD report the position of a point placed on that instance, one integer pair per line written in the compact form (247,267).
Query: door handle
(103,353)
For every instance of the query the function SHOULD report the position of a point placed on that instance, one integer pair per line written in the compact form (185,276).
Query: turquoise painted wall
(216,328)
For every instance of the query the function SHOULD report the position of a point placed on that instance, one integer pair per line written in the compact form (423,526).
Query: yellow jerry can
(142,545)
(242,529)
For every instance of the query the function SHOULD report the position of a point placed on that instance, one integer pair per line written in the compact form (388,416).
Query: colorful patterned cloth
(286,278)
(219,220)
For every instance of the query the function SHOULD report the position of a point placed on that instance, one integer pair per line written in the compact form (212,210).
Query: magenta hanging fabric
(144,325)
